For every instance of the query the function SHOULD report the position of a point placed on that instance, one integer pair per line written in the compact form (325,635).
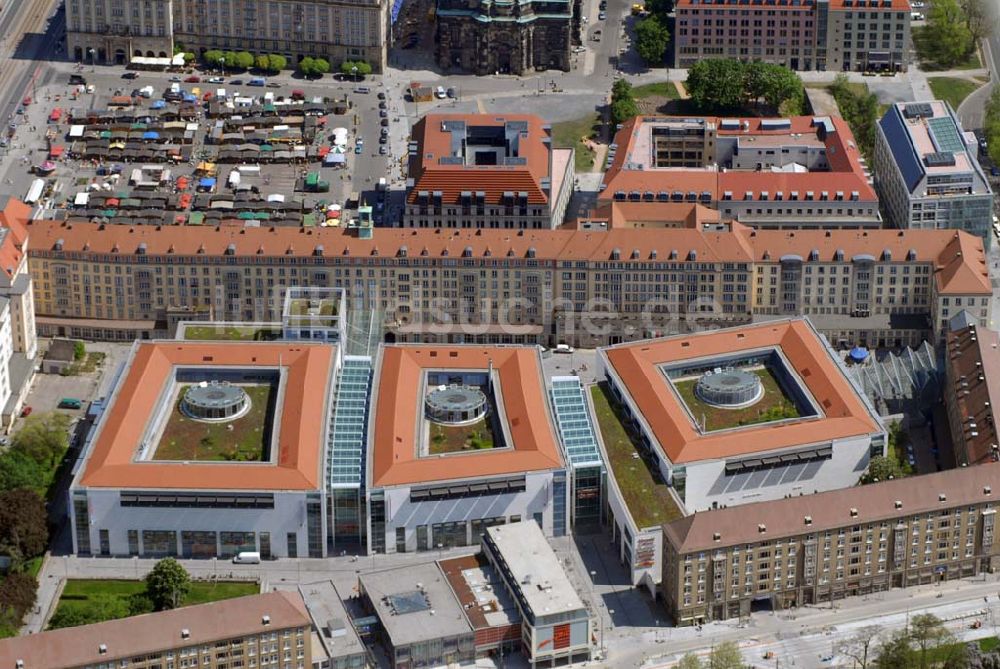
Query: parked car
(217,80)
(236,82)
(362,90)
(193,79)
(26,411)
(563,348)
(273,84)
(256,81)
(130,75)
(382,150)
(175,79)
(384,122)
(381,96)
(358,149)
(77,80)
(70,403)
(383,139)
(602,16)
(440,93)
(451,93)
(382,105)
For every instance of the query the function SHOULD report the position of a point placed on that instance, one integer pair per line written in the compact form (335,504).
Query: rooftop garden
(476,436)
(647,497)
(774,405)
(244,439)
(229,333)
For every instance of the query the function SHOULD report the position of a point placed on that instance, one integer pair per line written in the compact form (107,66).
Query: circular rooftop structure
(215,401)
(455,404)
(729,388)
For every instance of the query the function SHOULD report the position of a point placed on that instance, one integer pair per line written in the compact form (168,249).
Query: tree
(263,62)
(991,125)
(364,67)
(347,68)
(716,84)
(244,60)
(277,62)
(777,85)
(896,653)
(946,36)
(623,110)
(44,438)
(690,661)
(881,468)
(978,19)
(928,633)
(321,66)
(651,40)
(189,57)
(18,593)
(24,530)
(861,111)
(861,647)
(230,57)
(306,66)
(79,350)
(620,89)
(211,57)
(726,655)
(18,470)
(167,584)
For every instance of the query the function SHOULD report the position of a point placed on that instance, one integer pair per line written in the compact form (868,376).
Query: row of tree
(953,29)
(167,584)
(991,125)
(274,62)
(729,85)
(27,469)
(923,644)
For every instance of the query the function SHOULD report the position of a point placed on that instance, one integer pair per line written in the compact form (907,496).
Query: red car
(193,79)
(26,411)
(26,101)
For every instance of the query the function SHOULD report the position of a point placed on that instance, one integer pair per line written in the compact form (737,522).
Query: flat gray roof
(331,620)
(432,611)
(534,567)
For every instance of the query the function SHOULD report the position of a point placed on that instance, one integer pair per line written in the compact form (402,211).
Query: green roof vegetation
(460,438)
(244,439)
(647,497)
(228,333)
(774,405)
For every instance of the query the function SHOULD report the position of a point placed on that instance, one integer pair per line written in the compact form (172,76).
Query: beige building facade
(581,287)
(818,548)
(114,31)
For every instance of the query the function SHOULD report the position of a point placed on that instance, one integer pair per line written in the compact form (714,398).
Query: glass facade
(587,485)
(447,535)
(236,542)
(133,542)
(314,526)
(82,519)
(159,543)
(378,521)
(199,544)
(293,545)
(559,504)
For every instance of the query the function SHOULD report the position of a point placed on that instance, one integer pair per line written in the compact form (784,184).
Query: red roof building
(798,172)
(486,171)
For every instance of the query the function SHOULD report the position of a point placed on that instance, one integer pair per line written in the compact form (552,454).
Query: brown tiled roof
(434,143)
(785,517)
(638,367)
(618,214)
(14,216)
(300,440)
(974,353)
(740,245)
(155,632)
(399,409)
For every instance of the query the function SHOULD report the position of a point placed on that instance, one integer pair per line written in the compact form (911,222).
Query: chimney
(762,528)
(102,649)
(185,633)
(265,620)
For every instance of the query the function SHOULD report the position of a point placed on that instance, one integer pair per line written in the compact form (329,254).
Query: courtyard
(773,406)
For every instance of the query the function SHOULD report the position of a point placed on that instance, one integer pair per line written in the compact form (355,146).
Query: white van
(440,93)
(247,557)
(563,348)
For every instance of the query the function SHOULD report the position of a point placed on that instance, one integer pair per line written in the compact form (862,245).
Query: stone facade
(506,38)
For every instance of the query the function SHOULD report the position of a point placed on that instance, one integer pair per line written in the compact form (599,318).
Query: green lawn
(456,439)
(952,89)
(661,89)
(243,440)
(648,499)
(90,363)
(773,406)
(228,333)
(96,600)
(570,135)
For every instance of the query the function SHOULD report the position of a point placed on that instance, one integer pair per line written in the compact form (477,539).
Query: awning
(206,182)
(859,353)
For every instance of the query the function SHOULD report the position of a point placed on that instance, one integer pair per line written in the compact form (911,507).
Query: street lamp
(222,66)
(92,53)
(354,73)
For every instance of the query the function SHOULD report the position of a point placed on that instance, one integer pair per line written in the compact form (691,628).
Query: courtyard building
(486,171)
(817,549)
(729,417)
(927,174)
(801,172)
(208,450)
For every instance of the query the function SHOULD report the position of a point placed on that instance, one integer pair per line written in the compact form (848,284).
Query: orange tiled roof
(434,143)
(973,353)
(399,410)
(966,273)
(637,365)
(309,369)
(846,172)
(14,216)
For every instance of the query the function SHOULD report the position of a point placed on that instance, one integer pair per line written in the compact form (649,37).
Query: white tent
(81,199)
